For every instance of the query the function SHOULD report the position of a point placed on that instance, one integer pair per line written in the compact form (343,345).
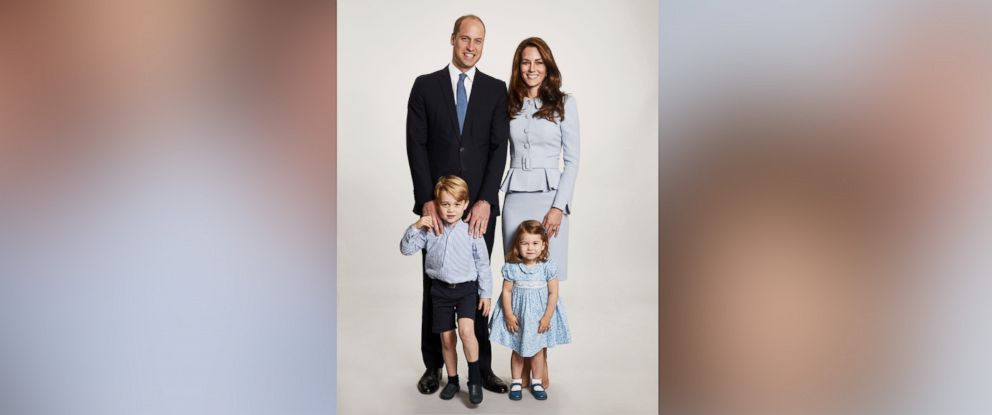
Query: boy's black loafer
(475,394)
(450,390)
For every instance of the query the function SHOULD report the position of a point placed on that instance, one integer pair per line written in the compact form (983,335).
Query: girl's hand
(544,325)
(552,221)
(426,222)
(511,323)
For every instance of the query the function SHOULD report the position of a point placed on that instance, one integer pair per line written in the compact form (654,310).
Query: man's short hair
(458,23)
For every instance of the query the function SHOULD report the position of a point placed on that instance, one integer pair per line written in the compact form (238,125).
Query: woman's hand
(511,323)
(552,221)
(544,325)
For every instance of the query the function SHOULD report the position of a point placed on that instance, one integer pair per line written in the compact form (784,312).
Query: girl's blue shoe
(539,394)
(516,395)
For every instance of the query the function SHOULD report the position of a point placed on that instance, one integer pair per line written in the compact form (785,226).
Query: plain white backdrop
(608,55)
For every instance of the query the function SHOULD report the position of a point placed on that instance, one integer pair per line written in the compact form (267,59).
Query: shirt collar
(455,225)
(453,72)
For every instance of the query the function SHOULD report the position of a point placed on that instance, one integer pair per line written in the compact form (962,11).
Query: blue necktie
(462,103)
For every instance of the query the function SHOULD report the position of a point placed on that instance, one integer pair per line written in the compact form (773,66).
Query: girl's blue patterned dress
(529,300)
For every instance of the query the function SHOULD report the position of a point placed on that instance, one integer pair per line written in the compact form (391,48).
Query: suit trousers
(430,342)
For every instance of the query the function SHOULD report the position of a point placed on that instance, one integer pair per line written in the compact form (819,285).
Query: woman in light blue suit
(544,153)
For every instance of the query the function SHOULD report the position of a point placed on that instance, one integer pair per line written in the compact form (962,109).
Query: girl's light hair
(531,227)
(454,185)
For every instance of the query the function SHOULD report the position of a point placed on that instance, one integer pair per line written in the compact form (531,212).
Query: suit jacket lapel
(449,100)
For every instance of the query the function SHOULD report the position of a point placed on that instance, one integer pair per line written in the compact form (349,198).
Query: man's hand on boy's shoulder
(478,218)
(484,304)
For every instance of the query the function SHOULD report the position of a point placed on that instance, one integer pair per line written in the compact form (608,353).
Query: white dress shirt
(453,72)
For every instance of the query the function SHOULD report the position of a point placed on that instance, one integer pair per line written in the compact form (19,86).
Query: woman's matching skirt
(521,206)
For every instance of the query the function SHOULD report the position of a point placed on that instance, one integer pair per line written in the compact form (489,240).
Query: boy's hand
(484,306)
(430,209)
(511,323)
(424,222)
(544,325)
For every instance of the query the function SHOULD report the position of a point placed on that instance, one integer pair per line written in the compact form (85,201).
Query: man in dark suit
(457,124)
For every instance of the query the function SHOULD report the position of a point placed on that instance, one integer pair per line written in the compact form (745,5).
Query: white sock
(535,384)
(515,384)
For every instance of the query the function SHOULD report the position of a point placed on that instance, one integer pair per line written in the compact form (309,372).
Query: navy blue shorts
(450,299)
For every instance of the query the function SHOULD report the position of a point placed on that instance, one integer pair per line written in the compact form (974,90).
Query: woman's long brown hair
(552,99)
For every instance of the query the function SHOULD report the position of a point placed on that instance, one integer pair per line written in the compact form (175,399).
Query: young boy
(461,280)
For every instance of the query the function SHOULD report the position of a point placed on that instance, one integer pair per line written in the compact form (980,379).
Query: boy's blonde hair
(454,186)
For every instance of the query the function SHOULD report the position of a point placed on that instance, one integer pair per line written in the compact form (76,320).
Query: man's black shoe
(494,383)
(430,381)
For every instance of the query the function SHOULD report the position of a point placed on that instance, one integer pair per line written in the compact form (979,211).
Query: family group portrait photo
(476,133)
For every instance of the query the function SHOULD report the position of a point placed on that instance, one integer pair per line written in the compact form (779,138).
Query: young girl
(529,317)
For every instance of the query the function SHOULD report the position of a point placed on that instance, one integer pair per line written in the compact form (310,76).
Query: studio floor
(610,368)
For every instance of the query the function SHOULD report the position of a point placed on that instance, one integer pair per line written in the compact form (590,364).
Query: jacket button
(461,149)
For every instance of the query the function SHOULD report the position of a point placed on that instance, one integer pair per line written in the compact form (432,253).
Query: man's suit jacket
(435,148)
